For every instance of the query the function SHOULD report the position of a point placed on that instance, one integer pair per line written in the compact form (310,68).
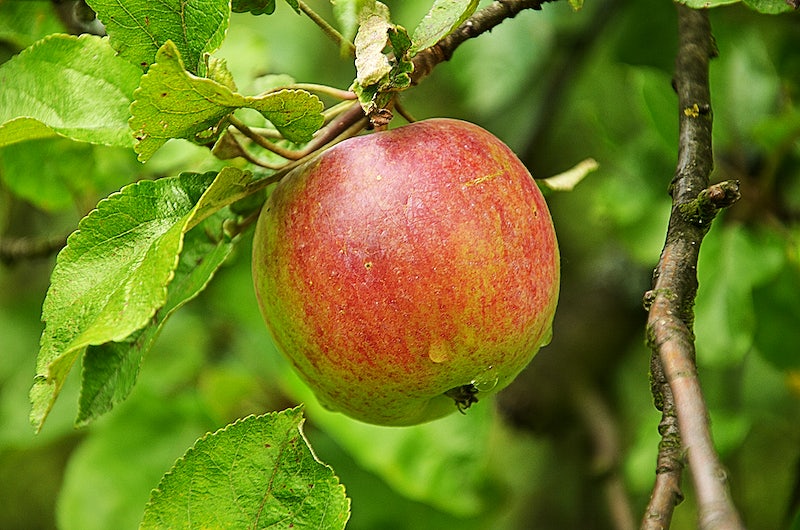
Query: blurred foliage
(558,87)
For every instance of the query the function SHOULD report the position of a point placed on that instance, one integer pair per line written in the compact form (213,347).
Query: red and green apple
(408,273)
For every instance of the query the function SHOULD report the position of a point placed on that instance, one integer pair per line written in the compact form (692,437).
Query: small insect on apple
(408,273)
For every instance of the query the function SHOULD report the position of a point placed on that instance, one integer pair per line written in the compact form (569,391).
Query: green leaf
(110,370)
(769,7)
(138,28)
(443,17)
(173,103)
(112,277)
(256,473)
(71,86)
(256,7)
(296,114)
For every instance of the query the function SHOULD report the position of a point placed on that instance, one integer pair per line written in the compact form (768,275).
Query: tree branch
(669,466)
(12,251)
(670,321)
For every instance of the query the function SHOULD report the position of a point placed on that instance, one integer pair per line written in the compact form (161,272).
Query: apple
(408,273)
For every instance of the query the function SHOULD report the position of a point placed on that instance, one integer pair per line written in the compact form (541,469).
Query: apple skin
(406,273)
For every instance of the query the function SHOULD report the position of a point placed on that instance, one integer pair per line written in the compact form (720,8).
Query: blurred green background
(558,87)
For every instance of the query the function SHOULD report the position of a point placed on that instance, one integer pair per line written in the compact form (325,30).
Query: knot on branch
(701,210)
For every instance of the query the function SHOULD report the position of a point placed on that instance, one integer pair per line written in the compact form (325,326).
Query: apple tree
(140,141)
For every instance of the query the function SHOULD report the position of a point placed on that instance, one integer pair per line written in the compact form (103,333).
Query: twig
(481,22)
(670,321)
(348,116)
(603,429)
(13,251)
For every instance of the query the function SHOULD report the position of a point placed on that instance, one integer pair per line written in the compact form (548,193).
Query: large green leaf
(110,370)
(256,473)
(138,28)
(112,277)
(72,86)
(443,17)
(173,103)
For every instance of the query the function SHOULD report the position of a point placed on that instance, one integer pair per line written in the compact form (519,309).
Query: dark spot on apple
(368,265)
(464,396)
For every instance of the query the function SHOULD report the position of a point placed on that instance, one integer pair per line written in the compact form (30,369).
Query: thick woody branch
(671,301)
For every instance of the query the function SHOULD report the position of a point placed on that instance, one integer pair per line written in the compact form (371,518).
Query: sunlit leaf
(372,65)
(443,17)
(296,114)
(71,86)
(138,28)
(173,103)
(112,277)
(110,370)
(256,473)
